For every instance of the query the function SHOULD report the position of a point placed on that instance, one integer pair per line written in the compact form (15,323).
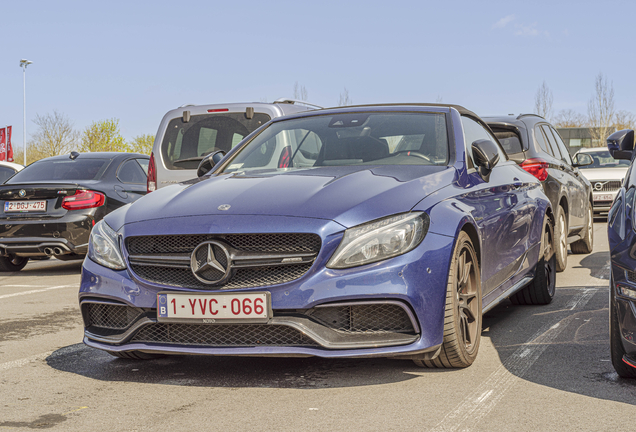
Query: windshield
(603,159)
(184,144)
(61,170)
(347,139)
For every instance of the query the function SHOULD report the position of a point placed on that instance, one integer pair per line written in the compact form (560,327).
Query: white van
(190,132)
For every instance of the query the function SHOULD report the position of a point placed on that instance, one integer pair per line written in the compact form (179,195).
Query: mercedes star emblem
(210,263)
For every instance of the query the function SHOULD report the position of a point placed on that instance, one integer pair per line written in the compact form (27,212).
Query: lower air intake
(225,335)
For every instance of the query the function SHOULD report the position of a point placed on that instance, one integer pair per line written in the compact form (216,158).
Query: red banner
(9,146)
(3,146)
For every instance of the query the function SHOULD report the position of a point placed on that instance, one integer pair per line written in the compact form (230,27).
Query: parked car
(605,174)
(7,169)
(188,133)
(621,230)
(336,244)
(49,208)
(537,147)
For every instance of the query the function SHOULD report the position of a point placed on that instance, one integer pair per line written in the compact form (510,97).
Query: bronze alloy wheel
(462,320)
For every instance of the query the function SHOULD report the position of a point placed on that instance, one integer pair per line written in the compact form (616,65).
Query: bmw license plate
(24,206)
(213,308)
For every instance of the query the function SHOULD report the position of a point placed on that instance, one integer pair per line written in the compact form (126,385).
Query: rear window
(62,170)
(5,173)
(184,144)
(509,141)
(603,159)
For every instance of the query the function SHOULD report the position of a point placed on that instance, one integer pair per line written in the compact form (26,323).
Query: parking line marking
(37,291)
(585,297)
(24,361)
(36,357)
(486,396)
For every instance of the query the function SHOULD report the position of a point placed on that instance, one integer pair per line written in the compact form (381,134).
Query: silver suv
(190,132)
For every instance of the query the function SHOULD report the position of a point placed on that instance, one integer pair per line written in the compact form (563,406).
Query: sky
(136,60)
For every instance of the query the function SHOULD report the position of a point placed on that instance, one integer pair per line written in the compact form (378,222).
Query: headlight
(379,240)
(103,247)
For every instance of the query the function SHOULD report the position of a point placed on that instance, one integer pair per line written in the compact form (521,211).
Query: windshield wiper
(192,159)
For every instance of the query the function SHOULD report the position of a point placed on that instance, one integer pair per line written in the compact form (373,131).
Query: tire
(561,239)
(616,346)
(542,288)
(12,263)
(462,318)
(586,244)
(134,355)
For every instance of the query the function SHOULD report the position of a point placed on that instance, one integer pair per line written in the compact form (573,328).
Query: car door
(502,210)
(573,181)
(132,175)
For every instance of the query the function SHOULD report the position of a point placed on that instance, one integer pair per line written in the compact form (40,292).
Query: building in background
(576,138)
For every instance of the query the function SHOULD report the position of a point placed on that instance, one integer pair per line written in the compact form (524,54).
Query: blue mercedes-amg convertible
(366,231)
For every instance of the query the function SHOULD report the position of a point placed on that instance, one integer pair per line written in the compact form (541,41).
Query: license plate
(24,206)
(213,308)
(604,197)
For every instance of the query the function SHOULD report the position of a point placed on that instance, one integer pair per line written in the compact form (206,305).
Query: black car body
(621,231)
(538,148)
(50,207)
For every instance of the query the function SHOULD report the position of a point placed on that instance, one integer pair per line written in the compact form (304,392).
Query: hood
(348,195)
(594,174)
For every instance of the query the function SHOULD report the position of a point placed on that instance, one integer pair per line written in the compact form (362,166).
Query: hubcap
(467,299)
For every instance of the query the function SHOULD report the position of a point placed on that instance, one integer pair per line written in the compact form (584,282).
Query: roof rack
(528,115)
(296,101)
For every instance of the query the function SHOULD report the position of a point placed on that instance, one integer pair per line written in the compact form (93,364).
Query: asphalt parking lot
(539,368)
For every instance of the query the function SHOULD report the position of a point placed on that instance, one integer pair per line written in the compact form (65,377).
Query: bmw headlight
(379,240)
(103,247)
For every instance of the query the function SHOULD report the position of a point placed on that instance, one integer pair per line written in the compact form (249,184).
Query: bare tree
(54,136)
(600,110)
(439,99)
(569,118)
(624,120)
(344,99)
(300,92)
(543,101)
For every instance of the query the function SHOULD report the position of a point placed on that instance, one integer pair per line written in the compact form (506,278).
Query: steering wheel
(415,154)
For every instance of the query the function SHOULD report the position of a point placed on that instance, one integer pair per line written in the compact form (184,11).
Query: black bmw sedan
(49,208)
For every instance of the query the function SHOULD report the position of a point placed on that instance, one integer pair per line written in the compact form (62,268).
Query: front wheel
(12,263)
(586,244)
(462,319)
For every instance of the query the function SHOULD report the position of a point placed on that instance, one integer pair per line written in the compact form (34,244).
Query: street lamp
(23,64)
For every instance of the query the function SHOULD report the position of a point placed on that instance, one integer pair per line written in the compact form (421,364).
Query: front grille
(225,335)
(272,243)
(110,316)
(631,276)
(609,186)
(367,318)
(241,277)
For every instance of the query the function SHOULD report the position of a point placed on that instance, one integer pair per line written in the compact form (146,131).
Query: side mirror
(621,144)
(486,156)
(208,162)
(582,159)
